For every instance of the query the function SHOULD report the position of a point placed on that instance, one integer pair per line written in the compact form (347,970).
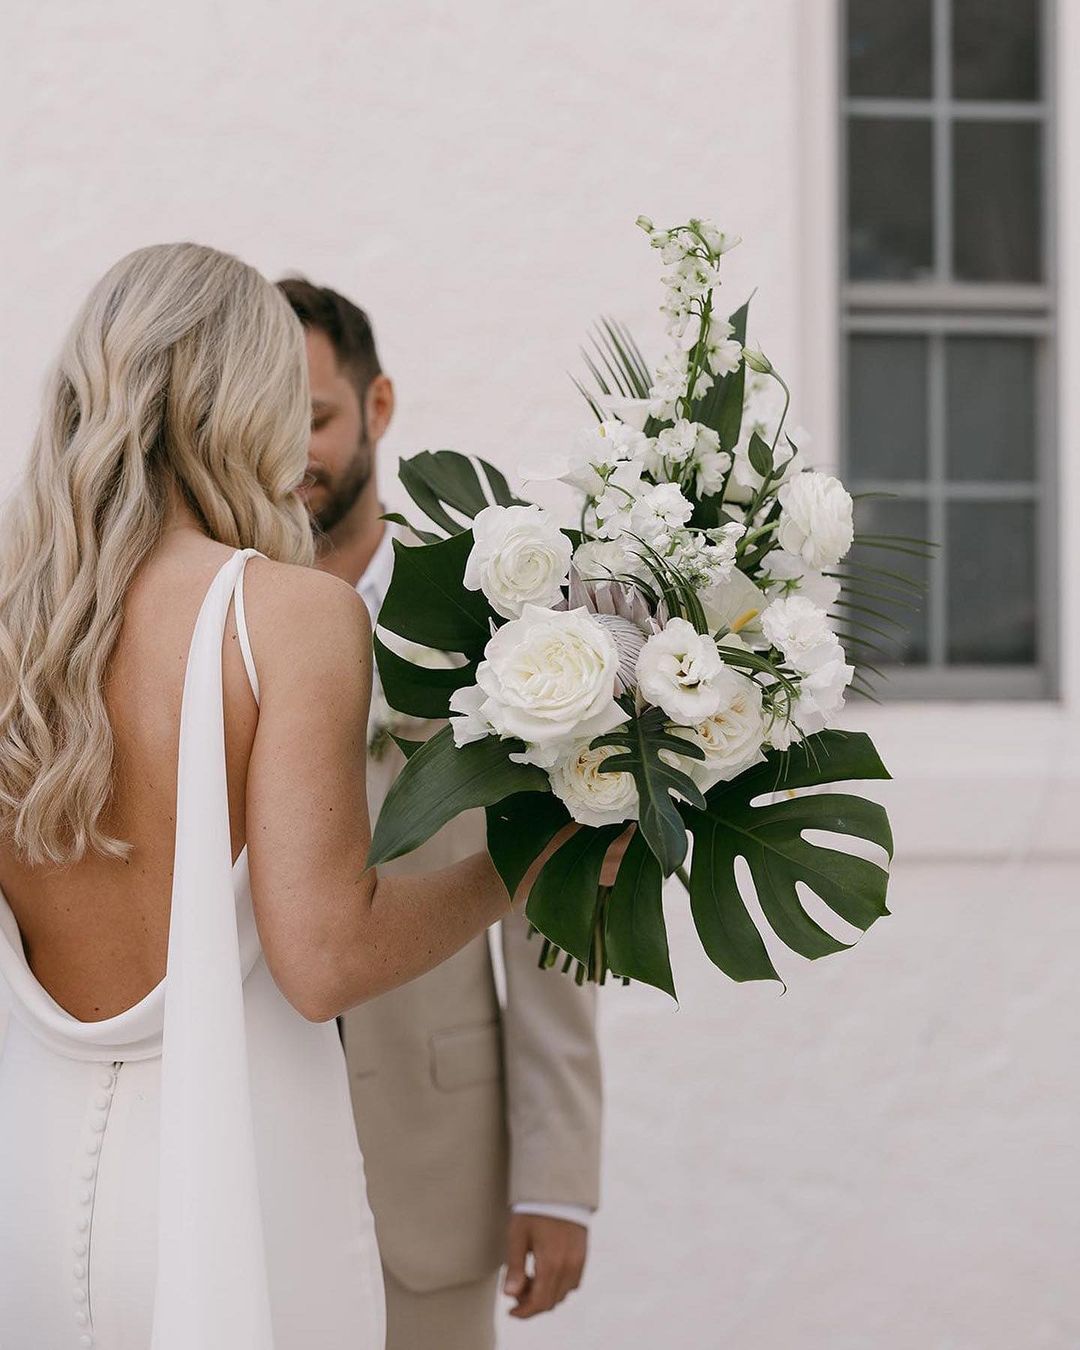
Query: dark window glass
(997,192)
(869,565)
(991,571)
(996,49)
(888,48)
(887,410)
(990,384)
(890,230)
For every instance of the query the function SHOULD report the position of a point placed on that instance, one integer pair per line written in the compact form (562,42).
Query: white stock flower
(591,796)
(657,512)
(723,352)
(519,557)
(669,385)
(679,670)
(710,469)
(800,629)
(731,738)
(815,519)
(548,678)
(614,507)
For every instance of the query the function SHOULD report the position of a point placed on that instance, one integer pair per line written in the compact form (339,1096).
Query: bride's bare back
(96,933)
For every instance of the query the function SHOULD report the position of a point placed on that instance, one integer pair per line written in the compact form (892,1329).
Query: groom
(479,1123)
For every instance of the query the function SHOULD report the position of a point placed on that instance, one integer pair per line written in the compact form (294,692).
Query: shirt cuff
(571,1213)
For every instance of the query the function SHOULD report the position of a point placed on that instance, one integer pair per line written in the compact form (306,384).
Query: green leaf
(519,828)
(427,601)
(425,536)
(407,748)
(642,739)
(419,691)
(439,781)
(760,455)
(564,899)
(769,836)
(634,930)
(444,478)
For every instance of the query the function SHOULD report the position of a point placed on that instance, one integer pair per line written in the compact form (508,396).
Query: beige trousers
(459,1318)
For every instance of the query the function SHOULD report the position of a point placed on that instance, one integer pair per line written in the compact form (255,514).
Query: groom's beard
(343,491)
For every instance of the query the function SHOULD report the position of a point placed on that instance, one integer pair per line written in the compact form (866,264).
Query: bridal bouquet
(673,661)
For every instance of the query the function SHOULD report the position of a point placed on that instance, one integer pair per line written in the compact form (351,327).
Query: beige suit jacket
(464,1107)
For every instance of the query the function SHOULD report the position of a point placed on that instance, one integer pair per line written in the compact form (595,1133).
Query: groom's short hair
(346,326)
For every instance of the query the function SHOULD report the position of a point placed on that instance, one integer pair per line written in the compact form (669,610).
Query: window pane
(996,49)
(997,189)
(887,412)
(891,516)
(889,199)
(990,384)
(990,565)
(889,48)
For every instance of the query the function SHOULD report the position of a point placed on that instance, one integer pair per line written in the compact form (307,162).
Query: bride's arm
(334,932)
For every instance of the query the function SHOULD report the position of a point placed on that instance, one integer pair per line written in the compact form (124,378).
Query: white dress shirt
(372,588)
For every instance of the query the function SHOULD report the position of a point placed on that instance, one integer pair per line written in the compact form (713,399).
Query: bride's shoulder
(292,607)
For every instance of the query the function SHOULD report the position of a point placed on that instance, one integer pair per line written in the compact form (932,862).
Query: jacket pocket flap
(466,1055)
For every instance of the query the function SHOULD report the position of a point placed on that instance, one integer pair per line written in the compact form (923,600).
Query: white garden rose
(548,679)
(591,796)
(815,519)
(731,738)
(800,629)
(680,670)
(519,557)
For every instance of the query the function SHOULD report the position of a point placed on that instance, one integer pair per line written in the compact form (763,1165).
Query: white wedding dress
(185,1175)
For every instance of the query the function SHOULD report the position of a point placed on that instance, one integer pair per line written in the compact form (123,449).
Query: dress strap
(242,629)
(212,1287)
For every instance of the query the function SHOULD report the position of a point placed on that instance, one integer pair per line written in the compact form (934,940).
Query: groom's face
(341,453)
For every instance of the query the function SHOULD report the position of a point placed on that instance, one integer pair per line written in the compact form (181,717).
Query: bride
(183,712)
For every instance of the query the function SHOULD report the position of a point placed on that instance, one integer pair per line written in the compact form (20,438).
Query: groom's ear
(378,407)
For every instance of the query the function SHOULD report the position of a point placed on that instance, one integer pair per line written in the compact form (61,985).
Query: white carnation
(680,670)
(815,519)
(731,738)
(591,796)
(548,678)
(519,557)
(800,629)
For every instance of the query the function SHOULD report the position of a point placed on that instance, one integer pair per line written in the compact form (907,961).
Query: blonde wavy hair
(184,367)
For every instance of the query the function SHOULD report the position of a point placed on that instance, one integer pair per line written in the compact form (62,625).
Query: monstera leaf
(642,739)
(443,478)
(637,946)
(439,781)
(427,601)
(519,829)
(419,691)
(769,836)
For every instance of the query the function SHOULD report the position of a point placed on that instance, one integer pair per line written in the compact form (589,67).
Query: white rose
(800,629)
(731,738)
(548,678)
(815,519)
(679,670)
(591,796)
(519,557)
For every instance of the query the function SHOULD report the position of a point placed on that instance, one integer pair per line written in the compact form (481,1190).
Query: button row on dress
(88,1172)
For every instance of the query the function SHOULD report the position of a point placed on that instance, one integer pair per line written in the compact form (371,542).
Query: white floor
(883,1158)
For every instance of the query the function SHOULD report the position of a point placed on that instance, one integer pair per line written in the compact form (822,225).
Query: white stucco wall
(883,1158)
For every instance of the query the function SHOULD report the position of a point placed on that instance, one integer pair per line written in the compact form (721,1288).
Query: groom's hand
(557,1248)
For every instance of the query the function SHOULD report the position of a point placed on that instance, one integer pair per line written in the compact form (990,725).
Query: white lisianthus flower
(815,519)
(821,690)
(591,796)
(680,670)
(519,557)
(658,512)
(786,574)
(548,678)
(731,738)
(800,629)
